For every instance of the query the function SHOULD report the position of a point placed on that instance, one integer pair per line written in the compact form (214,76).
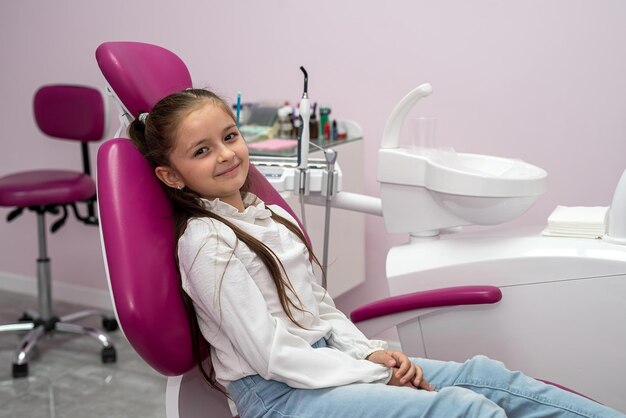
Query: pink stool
(64,112)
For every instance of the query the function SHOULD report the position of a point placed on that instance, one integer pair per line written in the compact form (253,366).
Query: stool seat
(45,187)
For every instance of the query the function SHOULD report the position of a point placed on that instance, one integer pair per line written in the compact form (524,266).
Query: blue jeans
(480,387)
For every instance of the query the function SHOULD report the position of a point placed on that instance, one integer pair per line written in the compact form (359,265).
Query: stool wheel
(109,324)
(109,355)
(20,370)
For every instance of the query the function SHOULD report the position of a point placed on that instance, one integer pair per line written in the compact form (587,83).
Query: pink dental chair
(139,246)
(72,113)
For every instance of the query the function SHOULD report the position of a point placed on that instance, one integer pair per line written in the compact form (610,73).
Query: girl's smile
(231,171)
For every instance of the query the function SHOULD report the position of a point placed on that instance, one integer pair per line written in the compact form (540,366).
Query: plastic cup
(423,132)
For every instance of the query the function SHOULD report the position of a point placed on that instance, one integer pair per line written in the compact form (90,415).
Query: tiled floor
(67,378)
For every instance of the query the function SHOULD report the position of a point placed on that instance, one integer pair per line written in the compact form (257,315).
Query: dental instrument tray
(288,147)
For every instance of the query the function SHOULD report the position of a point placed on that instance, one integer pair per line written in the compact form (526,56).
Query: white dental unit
(563,311)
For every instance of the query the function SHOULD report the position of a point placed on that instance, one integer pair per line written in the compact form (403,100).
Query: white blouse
(240,315)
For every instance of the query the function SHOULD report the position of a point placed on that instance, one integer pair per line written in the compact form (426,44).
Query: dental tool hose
(331,157)
(303,162)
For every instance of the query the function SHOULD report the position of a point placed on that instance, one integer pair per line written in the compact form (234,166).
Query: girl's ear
(168,176)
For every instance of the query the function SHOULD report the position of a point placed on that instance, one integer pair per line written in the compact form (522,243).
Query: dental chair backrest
(139,246)
(136,224)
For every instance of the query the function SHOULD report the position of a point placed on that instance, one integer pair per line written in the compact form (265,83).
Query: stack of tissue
(578,221)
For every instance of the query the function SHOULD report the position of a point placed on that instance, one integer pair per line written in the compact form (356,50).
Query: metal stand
(331,182)
(43,322)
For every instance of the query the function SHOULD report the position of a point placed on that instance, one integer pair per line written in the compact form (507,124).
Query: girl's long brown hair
(154,137)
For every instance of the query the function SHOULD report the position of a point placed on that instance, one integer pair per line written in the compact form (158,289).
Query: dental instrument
(302,181)
(305,113)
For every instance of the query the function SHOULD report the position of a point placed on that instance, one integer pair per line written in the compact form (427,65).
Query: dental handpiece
(305,114)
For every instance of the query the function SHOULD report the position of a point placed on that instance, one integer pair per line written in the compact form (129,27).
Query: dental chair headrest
(141,74)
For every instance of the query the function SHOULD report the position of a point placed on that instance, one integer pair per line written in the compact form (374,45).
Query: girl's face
(209,156)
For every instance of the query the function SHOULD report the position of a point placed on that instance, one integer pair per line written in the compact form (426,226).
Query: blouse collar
(254,208)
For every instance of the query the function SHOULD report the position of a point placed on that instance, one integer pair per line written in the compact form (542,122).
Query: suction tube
(305,114)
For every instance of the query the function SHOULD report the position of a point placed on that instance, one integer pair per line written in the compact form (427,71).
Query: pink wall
(544,81)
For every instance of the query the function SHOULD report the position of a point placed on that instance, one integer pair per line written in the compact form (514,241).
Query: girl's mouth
(231,170)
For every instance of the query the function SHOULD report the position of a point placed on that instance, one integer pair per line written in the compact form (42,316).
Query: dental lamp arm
(380,315)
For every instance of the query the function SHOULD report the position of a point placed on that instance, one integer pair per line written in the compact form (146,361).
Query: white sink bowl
(425,190)
(446,171)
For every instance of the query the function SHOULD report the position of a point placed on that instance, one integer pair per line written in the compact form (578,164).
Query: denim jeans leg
(256,398)
(519,395)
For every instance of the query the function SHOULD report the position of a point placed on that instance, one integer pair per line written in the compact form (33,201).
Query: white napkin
(578,221)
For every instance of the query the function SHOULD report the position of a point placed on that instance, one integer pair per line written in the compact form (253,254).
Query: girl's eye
(200,151)
(231,136)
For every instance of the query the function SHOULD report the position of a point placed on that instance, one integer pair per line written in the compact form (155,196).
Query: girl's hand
(405,372)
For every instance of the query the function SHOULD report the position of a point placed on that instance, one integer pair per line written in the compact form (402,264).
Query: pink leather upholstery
(70,112)
(138,238)
(67,112)
(141,74)
(450,296)
(45,187)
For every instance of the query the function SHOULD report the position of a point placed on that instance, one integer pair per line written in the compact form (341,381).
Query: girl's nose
(225,154)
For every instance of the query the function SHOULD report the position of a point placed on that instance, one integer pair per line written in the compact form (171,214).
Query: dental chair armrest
(377,316)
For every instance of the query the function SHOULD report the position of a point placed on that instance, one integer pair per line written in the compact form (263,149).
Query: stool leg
(109,323)
(24,351)
(43,322)
(20,366)
(109,354)
(44,288)
(16,327)
(84,314)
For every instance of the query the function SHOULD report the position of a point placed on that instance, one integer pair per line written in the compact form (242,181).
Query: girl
(278,345)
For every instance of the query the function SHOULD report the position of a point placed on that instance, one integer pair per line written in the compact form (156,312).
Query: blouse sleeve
(345,336)
(221,286)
